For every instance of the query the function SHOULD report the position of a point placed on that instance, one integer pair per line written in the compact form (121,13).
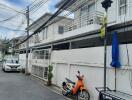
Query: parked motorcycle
(70,88)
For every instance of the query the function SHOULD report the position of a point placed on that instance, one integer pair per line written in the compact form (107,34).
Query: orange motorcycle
(78,89)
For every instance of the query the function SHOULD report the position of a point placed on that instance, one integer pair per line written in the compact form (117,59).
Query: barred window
(47,54)
(40,71)
(45,72)
(122,7)
(41,54)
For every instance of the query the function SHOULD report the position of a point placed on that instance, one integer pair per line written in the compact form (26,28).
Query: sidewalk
(53,88)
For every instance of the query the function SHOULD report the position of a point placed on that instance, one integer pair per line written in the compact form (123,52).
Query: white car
(11,65)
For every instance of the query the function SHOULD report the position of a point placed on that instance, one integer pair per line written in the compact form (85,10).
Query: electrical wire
(11,8)
(50,19)
(128,58)
(11,29)
(23,12)
(18,12)
(41,4)
(61,9)
(69,13)
(12,17)
(32,3)
(8,19)
(127,50)
(36,4)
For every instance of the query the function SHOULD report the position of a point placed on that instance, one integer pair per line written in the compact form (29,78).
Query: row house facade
(72,44)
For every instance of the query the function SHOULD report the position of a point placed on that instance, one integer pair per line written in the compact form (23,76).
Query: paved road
(16,86)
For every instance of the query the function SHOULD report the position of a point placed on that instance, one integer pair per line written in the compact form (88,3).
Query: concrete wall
(90,62)
(22,61)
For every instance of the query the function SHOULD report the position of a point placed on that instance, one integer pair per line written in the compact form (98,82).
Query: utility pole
(27,43)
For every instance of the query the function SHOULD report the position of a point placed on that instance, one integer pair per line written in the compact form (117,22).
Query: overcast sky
(19,22)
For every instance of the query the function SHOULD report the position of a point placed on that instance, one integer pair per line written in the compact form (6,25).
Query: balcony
(95,17)
(83,24)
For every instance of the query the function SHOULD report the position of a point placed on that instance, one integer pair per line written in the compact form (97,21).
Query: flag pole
(115,77)
(105,52)
(105,4)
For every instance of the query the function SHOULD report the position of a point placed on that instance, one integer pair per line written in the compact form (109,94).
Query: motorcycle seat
(68,80)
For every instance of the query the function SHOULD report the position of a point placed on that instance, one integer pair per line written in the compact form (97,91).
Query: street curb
(33,77)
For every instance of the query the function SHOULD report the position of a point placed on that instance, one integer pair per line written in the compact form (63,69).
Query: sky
(19,22)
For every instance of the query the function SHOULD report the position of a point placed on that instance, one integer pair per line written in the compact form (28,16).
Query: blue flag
(115,51)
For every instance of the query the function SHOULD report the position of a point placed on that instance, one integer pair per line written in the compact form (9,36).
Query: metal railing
(39,71)
(94,17)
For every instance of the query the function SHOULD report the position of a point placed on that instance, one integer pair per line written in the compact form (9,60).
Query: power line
(11,8)
(36,4)
(71,11)
(11,29)
(41,4)
(32,3)
(62,8)
(10,18)
(18,12)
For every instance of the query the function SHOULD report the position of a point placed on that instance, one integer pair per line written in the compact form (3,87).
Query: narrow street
(16,86)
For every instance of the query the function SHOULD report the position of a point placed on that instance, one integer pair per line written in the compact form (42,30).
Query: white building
(39,53)
(75,44)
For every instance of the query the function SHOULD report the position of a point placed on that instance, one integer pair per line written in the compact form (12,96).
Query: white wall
(90,62)
(22,61)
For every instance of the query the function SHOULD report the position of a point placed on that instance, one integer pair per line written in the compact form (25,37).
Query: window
(42,54)
(45,72)
(36,38)
(47,54)
(40,71)
(86,16)
(91,7)
(122,7)
(40,36)
(45,31)
(61,30)
(84,10)
(87,8)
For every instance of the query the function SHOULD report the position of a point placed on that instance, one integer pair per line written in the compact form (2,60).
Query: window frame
(45,33)
(122,7)
(60,29)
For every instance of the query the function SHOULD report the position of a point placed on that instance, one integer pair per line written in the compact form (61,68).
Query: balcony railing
(95,17)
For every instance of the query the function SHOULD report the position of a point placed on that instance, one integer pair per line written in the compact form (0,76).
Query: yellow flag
(102,30)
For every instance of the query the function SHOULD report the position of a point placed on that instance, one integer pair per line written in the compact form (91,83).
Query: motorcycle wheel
(84,95)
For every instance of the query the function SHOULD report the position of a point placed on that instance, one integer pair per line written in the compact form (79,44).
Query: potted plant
(50,75)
